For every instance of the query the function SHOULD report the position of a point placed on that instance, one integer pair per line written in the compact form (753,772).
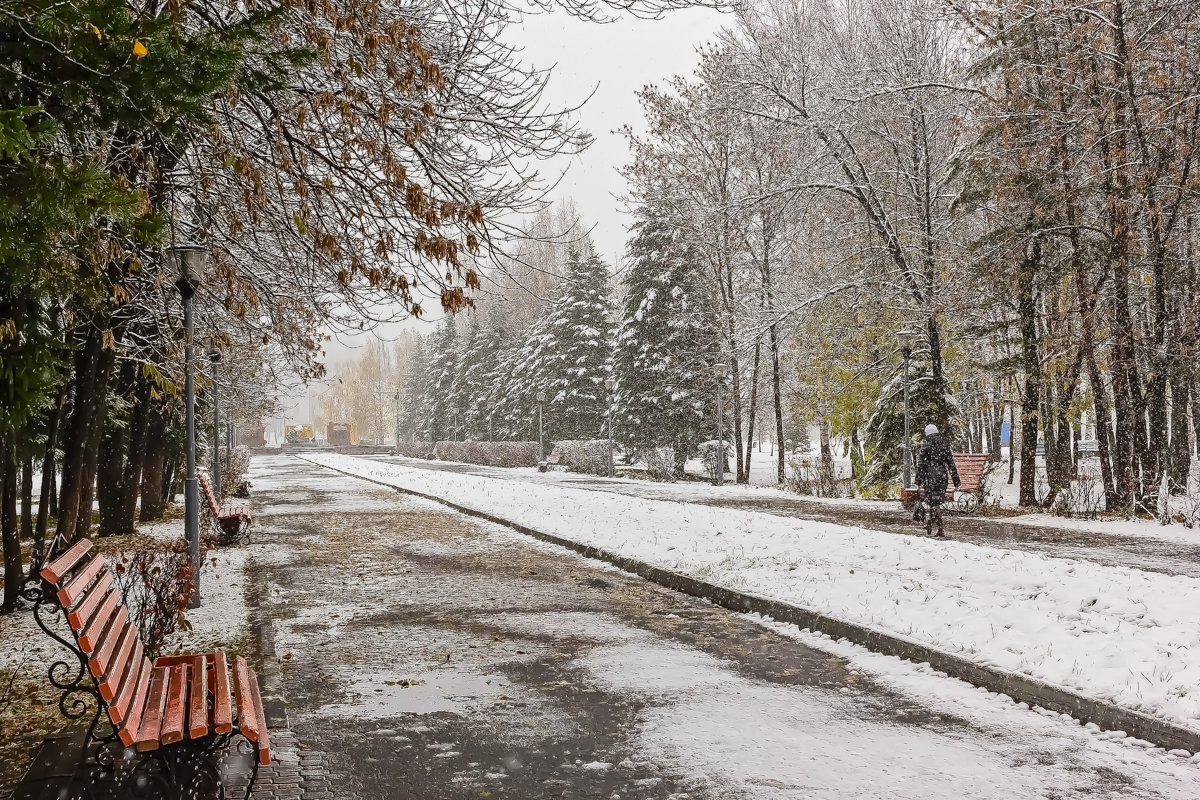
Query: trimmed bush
(489,454)
(424,450)
(589,456)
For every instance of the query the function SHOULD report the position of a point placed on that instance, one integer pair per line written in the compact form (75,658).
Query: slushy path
(429,655)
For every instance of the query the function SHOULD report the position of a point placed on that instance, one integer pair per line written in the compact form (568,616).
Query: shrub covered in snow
(426,450)
(234,469)
(708,455)
(660,463)
(489,454)
(589,456)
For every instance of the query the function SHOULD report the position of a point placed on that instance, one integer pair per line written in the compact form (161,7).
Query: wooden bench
(230,523)
(972,469)
(175,710)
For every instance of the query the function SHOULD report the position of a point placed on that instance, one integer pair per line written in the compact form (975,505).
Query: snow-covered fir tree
(565,354)
(665,347)
(444,356)
(412,401)
(480,374)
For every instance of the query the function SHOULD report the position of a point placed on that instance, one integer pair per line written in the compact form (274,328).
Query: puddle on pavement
(383,695)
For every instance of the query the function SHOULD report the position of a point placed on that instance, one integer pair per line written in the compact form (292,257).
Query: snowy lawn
(1115,634)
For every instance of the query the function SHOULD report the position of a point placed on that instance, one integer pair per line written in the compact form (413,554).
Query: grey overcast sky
(611,62)
(613,59)
(616,59)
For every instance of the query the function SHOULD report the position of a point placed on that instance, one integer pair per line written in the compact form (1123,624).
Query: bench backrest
(105,632)
(971,468)
(206,487)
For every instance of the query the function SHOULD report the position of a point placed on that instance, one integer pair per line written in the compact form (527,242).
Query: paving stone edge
(1018,687)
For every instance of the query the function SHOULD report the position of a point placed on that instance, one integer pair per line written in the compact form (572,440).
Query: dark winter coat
(935,467)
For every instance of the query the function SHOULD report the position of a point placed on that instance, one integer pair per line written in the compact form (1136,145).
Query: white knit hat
(930,429)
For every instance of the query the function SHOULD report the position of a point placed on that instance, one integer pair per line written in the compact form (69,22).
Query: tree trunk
(825,479)
(75,436)
(777,398)
(154,467)
(1180,450)
(13,572)
(1012,442)
(83,521)
(136,455)
(27,498)
(744,471)
(47,491)
(736,420)
(1031,362)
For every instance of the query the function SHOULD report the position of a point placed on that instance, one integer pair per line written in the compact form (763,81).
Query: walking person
(935,468)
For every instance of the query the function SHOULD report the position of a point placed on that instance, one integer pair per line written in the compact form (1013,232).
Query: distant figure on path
(935,466)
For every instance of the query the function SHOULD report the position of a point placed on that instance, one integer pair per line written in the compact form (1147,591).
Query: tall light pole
(721,372)
(609,385)
(906,339)
(214,355)
(188,260)
(397,398)
(541,398)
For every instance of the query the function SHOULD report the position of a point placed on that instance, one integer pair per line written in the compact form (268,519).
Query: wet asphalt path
(430,655)
(1136,552)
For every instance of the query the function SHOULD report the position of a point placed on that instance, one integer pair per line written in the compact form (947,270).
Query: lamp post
(214,355)
(609,385)
(188,261)
(906,339)
(721,371)
(541,398)
(396,396)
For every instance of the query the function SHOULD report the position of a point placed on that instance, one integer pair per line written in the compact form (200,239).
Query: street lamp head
(610,384)
(214,353)
(187,262)
(906,338)
(721,370)
(541,397)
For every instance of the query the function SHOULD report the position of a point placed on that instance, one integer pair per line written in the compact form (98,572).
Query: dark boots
(935,518)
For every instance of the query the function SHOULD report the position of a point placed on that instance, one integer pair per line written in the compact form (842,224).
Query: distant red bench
(230,523)
(972,468)
(175,709)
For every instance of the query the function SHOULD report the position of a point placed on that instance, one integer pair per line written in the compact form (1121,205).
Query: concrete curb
(1018,687)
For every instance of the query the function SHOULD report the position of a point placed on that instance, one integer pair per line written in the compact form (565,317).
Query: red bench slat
(82,613)
(264,739)
(176,706)
(222,712)
(129,681)
(69,594)
(152,715)
(198,713)
(137,706)
(89,637)
(121,661)
(70,558)
(247,715)
(101,661)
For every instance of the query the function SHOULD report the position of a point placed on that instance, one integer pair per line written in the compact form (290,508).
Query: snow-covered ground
(1115,634)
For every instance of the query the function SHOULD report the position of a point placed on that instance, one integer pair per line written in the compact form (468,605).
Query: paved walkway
(1137,552)
(428,655)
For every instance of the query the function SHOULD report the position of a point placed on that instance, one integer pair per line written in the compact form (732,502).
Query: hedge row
(487,454)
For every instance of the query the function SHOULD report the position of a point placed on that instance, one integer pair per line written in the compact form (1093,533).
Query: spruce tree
(576,348)
(443,369)
(664,349)
(416,385)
